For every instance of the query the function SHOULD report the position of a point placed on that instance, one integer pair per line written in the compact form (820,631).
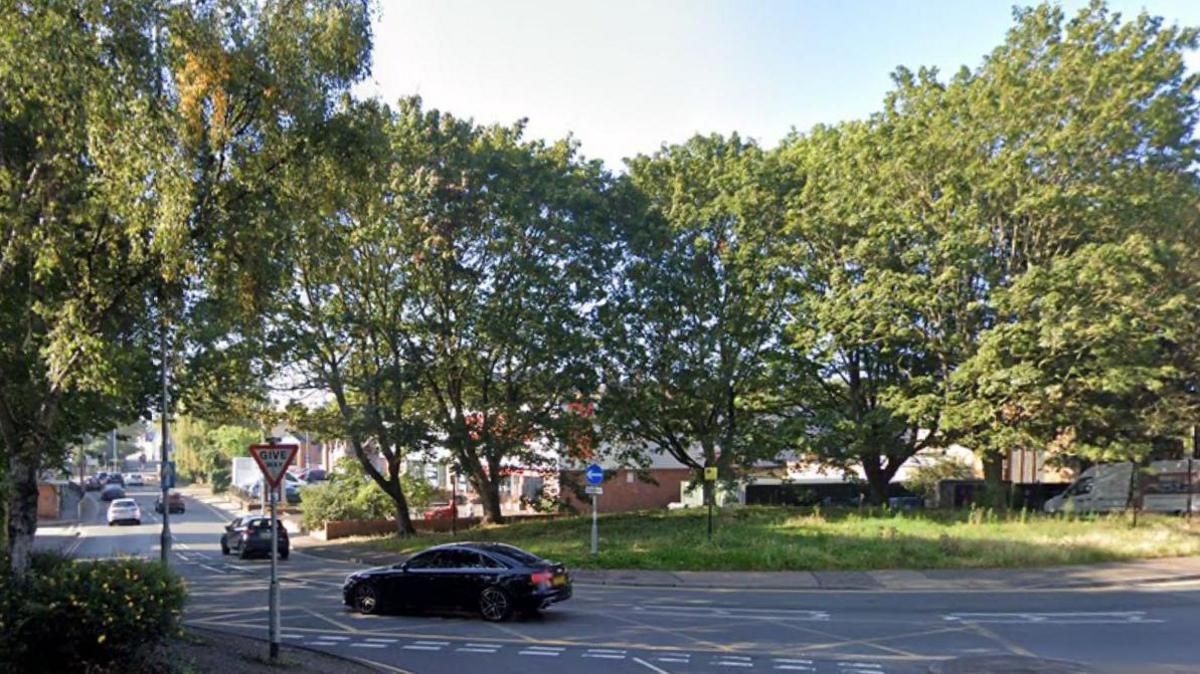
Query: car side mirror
(403,566)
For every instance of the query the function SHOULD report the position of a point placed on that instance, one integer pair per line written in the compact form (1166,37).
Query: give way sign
(273,460)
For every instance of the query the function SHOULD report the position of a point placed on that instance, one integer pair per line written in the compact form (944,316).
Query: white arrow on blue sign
(595,474)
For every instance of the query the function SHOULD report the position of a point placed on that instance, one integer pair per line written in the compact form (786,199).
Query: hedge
(70,616)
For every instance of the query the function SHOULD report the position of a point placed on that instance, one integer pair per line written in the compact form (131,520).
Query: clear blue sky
(626,76)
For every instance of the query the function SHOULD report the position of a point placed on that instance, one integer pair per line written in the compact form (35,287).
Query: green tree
(695,315)
(140,142)
(1103,360)
(507,244)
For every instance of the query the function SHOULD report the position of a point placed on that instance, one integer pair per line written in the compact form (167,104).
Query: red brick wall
(621,495)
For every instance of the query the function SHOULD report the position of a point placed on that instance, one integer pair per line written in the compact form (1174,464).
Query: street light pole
(165,474)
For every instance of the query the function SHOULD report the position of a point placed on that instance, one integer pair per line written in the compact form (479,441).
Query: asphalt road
(624,629)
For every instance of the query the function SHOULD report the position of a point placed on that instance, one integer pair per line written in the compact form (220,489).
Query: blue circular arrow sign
(595,474)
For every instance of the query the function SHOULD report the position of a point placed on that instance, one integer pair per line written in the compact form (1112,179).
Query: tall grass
(777,539)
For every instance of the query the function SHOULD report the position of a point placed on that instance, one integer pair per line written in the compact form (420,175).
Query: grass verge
(790,539)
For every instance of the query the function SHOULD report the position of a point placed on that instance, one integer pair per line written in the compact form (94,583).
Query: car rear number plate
(559,581)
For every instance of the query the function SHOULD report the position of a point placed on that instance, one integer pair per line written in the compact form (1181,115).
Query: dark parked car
(92,483)
(111,492)
(492,578)
(251,535)
(174,503)
(311,475)
(115,478)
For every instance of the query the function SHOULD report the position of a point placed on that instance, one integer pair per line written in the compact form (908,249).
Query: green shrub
(79,616)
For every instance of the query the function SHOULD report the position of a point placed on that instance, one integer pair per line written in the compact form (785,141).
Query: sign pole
(710,479)
(273,598)
(595,529)
(273,460)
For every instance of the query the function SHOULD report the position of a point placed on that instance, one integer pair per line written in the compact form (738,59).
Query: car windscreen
(124,503)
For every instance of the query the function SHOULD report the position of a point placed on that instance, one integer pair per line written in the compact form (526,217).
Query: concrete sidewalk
(1114,575)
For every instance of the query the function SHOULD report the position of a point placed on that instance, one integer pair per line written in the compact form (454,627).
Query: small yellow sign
(710,474)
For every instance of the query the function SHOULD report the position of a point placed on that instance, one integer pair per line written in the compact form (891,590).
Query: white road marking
(469,649)
(793,661)
(683,660)
(422,648)
(382,641)
(334,637)
(550,653)
(864,665)
(1062,618)
(606,650)
(366,645)
(726,613)
(607,656)
(471,645)
(211,568)
(322,643)
(548,648)
(649,666)
(804,668)
(432,643)
(732,663)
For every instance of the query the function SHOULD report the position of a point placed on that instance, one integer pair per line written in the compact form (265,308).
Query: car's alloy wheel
(494,604)
(365,600)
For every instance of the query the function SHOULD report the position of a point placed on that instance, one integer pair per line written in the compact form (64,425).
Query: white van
(1164,487)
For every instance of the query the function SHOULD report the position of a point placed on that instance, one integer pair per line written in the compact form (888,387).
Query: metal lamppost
(454,500)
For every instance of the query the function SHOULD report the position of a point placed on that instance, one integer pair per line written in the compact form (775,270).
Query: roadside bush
(82,616)
(350,495)
(344,499)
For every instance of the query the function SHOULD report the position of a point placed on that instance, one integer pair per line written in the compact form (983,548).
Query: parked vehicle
(124,510)
(492,578)
(290,489)
(310,476)
(441,511)
(251,535)
(174,503)
(115,478)
(112,492)
(134,480)
(1163,486)
(92,483)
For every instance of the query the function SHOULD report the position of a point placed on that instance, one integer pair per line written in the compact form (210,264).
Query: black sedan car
(112,492)
(251,535)
(492,578)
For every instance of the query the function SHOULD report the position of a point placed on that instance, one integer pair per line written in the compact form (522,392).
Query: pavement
(680,627)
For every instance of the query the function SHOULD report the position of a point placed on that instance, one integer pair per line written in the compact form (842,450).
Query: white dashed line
(211,568)
(421,648)
(606,650)
(732,663)
(432,643)
(366,645)
(683,660)
(606,656)
(550,653)
(469,649)
(333,637)
(802,668)
(382,641)
(792,661)
(860,665)
(471,645)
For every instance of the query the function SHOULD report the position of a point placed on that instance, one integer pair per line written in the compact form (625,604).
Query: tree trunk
(489,494)
(404,525)
(993,477)
(878,477)
(22,509)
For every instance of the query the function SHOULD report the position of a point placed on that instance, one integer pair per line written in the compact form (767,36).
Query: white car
(134,480)
(124,510)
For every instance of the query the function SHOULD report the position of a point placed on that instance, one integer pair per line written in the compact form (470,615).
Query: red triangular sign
(273,460)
